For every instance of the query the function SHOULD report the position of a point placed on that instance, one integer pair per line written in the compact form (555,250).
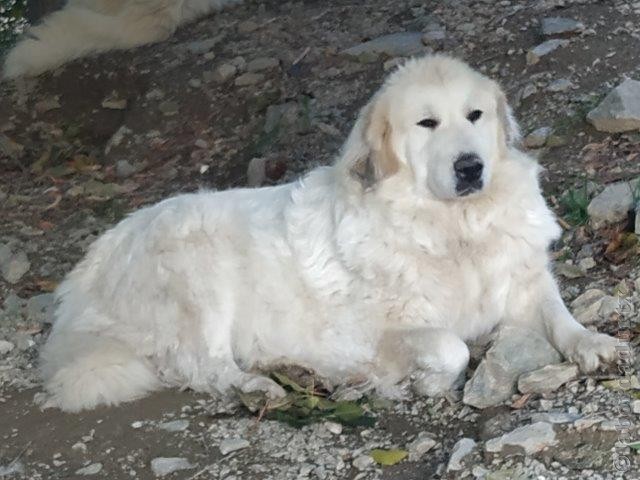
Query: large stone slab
(515,351)
(620,110)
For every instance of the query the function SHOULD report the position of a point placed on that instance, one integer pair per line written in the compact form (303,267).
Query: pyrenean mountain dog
(84,27)
(428,231)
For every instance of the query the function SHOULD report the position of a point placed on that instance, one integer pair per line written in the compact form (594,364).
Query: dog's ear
(368,153)
(509,128)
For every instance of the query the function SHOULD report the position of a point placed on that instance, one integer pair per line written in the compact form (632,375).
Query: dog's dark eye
(429,123)
(474,116)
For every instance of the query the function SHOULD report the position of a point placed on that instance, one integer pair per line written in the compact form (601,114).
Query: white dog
(429,230)
(84,27)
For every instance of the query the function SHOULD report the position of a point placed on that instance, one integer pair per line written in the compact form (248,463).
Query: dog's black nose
(468,167)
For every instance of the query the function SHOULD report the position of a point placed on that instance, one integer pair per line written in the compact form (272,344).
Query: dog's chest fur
(454,266)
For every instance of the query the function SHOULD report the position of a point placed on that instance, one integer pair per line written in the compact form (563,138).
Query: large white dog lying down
(429,230)
(84,27)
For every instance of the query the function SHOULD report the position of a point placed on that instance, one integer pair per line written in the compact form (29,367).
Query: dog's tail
(84,370)
(78,30)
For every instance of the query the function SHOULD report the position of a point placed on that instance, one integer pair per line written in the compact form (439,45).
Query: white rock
(13,265)
(560,85)
(333,427)
(248,78)
(620,110)
(420,446)
(393,45)
(587,263)
(532,438)
(547,378)
(229,445)
(6,347)
(92,469)
(635,406)
(256,171)
(262,63)
(588,422)
(586,307)
(79,447)
(363,462)
(560,26)
(538,137)
(612,205)
(222,73)
(14,468)
(162,466)
(545,48)
(555,417)
(174,425)
(461,449)
(515,351)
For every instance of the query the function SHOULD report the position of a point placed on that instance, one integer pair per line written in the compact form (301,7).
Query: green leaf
(388,457)
(624,383)
(634,445)
(287,382)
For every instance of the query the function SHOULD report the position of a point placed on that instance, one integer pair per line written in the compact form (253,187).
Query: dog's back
(84,27)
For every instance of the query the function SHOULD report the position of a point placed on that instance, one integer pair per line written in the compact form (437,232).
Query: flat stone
(162,466)
(221,74)
(247,26)
(538,137)
(363,462)
(199,47)
(229,445)
(124,169)
(92,469)
(560,85)
(555,417)
(256,171)
(421,445)
(174,426)
(6,347)
(13,265)
(548,378)
(553,26)
(248,78)
(461,449)
(515,351)
(635,406)
(532,438)
(620,109)
(535,54)
(568,270)
(392,45)
(612,205)
(586,307)
(263,63)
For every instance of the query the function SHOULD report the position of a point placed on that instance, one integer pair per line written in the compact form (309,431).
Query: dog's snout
(468,167)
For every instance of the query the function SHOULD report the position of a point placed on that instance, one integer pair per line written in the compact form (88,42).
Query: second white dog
(429,230)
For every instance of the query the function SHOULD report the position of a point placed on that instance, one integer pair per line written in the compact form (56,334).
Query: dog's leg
(586,348)
(437,357)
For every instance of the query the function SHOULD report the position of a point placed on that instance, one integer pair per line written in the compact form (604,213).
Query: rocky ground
(257,95)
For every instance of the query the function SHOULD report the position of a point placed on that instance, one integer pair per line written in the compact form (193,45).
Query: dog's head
(438,120)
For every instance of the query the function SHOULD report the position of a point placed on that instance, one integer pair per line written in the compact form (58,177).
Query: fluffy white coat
(364,269)
(85,27)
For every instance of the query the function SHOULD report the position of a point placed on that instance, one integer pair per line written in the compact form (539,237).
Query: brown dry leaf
(521,402)
(46,284)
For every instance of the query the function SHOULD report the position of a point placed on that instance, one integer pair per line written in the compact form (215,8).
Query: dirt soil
(84,145)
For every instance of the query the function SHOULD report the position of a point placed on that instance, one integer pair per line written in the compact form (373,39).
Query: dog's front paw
(589,350)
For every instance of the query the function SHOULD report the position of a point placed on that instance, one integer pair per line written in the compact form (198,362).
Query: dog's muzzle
(468,169)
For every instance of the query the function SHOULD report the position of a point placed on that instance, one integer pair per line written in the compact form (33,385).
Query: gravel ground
(256,95)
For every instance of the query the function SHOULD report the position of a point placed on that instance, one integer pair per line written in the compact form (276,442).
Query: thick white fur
(84,27)
(377,272)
